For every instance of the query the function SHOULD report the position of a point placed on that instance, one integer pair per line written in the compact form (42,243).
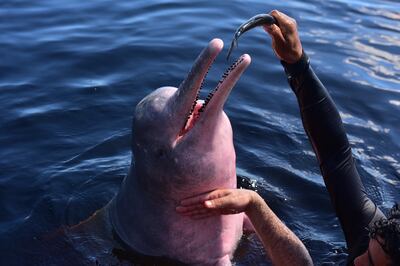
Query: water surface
(72,71)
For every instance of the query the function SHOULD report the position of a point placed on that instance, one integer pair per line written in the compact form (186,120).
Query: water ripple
(72,72)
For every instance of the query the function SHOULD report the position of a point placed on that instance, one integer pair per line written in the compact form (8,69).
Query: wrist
(294,57)
(296,68)
(294,72)
(254,203)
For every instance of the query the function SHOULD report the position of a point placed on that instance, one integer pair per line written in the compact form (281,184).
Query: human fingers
(286,23)
(288,30)
(211,212)
(196,212)
(276,34)
(278,40)
(219,203)
(202,197)
(195,200)
(233,202)
(285,38)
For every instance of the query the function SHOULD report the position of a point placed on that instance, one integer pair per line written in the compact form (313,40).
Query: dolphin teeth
(205,76)
(229,70)
(196,115)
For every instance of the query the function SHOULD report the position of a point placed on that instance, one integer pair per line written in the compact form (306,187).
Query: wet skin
(182,146)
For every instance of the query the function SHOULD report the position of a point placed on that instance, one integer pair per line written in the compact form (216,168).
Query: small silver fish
(257,20)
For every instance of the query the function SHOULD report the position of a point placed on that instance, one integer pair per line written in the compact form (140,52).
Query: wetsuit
(323,125)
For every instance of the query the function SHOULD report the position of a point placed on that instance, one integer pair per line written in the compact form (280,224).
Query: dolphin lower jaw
(216,99)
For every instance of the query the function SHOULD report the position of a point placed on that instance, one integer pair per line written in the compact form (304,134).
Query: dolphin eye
(160,153)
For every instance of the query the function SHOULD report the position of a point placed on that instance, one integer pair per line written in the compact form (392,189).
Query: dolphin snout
(188,108)
(216,45)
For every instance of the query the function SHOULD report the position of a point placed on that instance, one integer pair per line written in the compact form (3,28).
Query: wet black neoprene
(323,125)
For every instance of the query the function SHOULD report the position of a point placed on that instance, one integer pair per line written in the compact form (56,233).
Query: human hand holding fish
(257,20)
(283,30)
(285,38)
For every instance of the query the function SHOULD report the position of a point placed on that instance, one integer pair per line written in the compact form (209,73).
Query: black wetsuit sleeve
(323,125)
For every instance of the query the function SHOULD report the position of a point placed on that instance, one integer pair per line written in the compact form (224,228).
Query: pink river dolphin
(182,146)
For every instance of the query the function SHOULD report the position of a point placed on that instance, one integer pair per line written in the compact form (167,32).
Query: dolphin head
(180,141)
(182,146)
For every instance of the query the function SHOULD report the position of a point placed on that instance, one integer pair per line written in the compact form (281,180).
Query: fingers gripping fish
(258,20)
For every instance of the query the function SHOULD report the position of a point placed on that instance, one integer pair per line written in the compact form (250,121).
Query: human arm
(324,128)
(282,246)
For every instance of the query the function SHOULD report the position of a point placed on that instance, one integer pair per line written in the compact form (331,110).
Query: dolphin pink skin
(182,147)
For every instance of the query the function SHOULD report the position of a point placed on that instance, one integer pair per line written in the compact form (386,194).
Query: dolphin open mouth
(197,109)
(199,105)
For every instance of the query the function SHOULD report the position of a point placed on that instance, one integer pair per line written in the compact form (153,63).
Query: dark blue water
(72,71)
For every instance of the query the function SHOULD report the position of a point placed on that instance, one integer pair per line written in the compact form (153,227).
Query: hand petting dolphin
(182,146)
